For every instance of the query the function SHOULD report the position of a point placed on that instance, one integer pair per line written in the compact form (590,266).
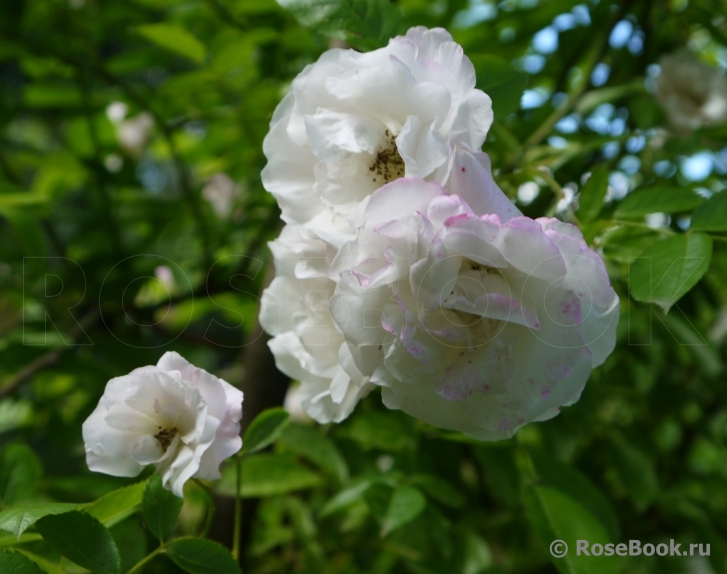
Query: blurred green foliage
(133,221)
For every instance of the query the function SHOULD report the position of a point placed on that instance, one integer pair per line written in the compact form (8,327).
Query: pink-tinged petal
(396,200)
(529,250)
(471,179)
(475,239)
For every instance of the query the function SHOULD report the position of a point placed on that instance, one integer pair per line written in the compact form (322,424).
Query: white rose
(477,320)
(353,122)
(306,345)
(693,94)
(174,415)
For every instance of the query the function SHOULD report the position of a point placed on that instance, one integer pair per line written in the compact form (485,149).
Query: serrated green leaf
(201,556)
(556,516)
(592,195)
(499,80)
(711,215)
(18,520)
(12,562)
(265,429)
(159,507)
(82,539)
(658,200)
(115,506)
(669,268)
(175,39)
(406,504)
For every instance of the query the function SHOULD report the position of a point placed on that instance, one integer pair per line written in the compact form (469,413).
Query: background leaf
(406,504)
(175,39)
(658,200)
(592,195)
(18,520)
(198,556)
(711,215)
(556,516)
(20,471)
(265,429)
(670,268)
(12,562)
(115,506)
(499,80)
(269,475)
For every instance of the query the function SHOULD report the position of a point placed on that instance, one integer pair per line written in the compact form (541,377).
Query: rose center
(387,164)
(165,437)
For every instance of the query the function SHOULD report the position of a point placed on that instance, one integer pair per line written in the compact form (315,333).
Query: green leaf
(499,80)
(20,471)
(311,443)
(669,268)
(383,431)
(12,562)
(556,516)
(18,520)
(363,23)
(406,504)
(201,556)
(378,499)
(711,215)
(636,472)
(439,489)
(345,498)
(577,485)
(115,506)
(265,429)
(593,194)
(269,475)
(175,39)
(159,507)
(658,200)
(83,540)
(21,199)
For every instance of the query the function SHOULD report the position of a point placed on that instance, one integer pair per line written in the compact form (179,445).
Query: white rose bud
(174,415)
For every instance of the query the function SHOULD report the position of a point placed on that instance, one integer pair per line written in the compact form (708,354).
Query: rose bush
(174,415)
(477,320)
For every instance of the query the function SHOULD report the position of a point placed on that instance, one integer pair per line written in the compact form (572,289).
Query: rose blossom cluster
(402,265)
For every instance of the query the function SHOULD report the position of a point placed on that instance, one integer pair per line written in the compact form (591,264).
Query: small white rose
(692,93)
(173,415)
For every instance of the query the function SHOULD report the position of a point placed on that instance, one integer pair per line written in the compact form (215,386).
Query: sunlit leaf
(669,268)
